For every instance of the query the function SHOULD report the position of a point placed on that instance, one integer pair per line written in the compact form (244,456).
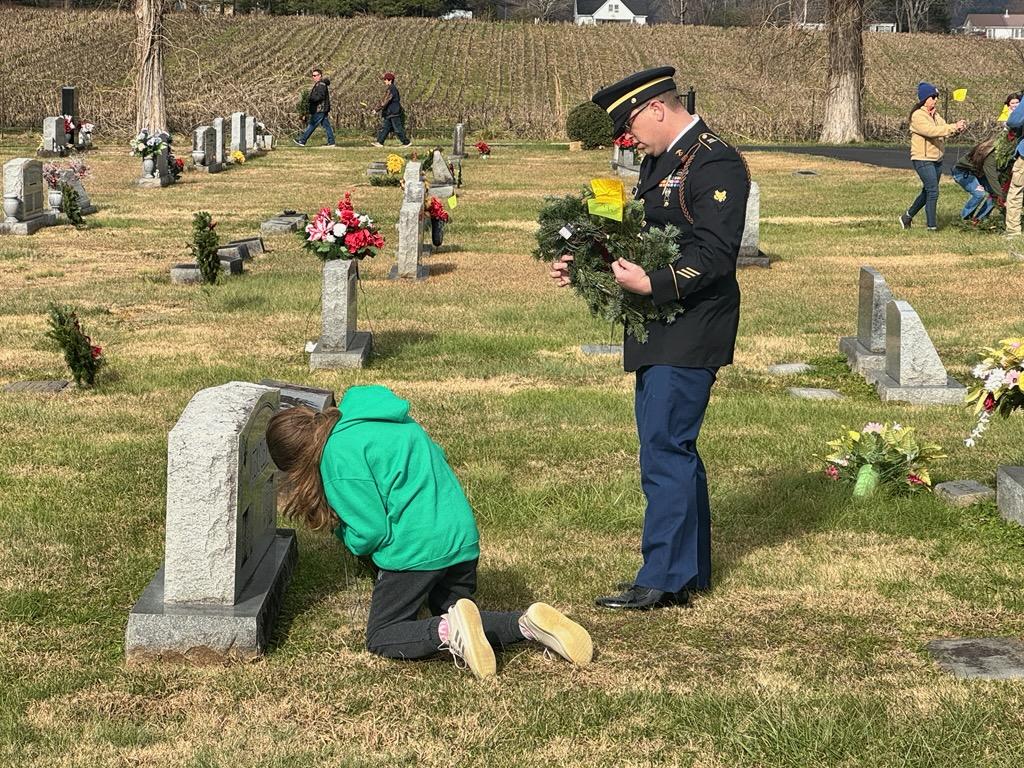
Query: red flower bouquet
(626,141)
(483,148)
(342,233)
(436,211)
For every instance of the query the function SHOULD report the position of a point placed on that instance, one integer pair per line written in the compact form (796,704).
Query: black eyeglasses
(629,123)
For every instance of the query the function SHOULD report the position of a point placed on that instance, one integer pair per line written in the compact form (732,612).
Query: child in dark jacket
(373,474)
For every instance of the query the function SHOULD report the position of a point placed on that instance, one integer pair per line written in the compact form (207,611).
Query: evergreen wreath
(82,356)
(595,242)
(204,246)
(69,205)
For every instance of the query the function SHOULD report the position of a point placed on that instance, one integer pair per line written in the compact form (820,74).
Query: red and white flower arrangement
(483,148)
(436,211)
(1001,390)
(342,233)
(69,124)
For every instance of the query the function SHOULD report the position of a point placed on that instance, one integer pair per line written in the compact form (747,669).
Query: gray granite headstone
(459,140)
(238,133)
(218,141)
(913,371)
(254,245)
(750,245)
(963,493)
(284,222)
(410,240)
(601,349)
(1010,493)
(226,563)
(68,177)
(866,351)
(377,168)
(186,274)
(441,172)
(234,251)
(297,394)
(38,387)
(250,134)
(340,345)
(206,142)
(232,265)
(815,393)
(24,197)
(54,138)
(984,658)
(161,175)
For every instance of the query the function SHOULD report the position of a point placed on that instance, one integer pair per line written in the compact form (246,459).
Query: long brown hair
(296,438)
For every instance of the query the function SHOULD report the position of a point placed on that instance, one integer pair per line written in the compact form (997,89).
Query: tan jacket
(927,135)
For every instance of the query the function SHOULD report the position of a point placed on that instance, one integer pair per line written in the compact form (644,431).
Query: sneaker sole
(903,225)
(477,653)
(561,634)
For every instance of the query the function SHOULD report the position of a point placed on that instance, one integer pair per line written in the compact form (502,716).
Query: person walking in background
(928,132)
(390,109)
(319,107)
(1015,192)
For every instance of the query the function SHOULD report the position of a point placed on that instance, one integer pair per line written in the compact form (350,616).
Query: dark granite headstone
(40,387)
(986,658)
(297,394)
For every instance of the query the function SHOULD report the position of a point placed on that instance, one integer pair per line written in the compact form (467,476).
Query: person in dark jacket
(692,180)
(390,110)
(319,107)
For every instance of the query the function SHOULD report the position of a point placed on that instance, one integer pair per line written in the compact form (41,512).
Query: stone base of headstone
(284,223)
(297,394)
(601,349)
(889,390)
(1010,493)
(203,633)
(48,153)
(963,493)
(354,357)
(861,359)
(186,274)
(211,167)
(29,227)
(422,273)
(155,182)
(232,265)
(377,168)
(254,245)
(984,658)
(38,387)
(234,251)
(442,193)
(760,260)
(815,393)
(628,174)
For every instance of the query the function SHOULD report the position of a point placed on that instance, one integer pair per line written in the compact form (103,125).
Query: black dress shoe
(622,586)
(643,599)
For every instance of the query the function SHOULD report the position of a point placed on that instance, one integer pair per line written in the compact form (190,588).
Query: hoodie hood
(372,403)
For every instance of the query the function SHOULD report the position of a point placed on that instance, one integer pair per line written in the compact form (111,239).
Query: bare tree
(544,10)
(843,122)
(149,78)
(912,15)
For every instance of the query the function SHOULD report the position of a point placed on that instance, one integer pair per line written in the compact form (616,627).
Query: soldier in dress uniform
(695,181)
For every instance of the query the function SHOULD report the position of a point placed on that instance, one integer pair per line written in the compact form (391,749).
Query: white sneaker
(466,639)
(376,144)
(554,630)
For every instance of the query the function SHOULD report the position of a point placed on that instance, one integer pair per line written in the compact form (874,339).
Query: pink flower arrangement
(342,233)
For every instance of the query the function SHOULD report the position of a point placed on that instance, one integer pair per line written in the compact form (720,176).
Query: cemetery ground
(810,651)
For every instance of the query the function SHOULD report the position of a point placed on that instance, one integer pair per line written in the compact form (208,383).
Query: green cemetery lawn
(810,649)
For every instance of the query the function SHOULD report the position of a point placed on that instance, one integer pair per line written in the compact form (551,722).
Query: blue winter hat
(924,90)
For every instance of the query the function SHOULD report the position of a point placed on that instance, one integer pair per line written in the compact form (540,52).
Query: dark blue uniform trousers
(676,545)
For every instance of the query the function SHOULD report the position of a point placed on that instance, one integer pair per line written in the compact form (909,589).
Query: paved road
(885,157)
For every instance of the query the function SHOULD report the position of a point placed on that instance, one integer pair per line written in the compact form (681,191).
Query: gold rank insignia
(687,272)
(720,195)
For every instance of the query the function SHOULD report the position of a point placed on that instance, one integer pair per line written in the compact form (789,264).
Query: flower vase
(437,232)
(12,207)
(199,157)
(55,197)
(867,481)
(148,166)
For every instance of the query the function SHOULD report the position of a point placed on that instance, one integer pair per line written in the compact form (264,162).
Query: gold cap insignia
(720,195)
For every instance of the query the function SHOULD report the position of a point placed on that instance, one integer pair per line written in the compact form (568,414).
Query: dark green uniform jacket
(699,185)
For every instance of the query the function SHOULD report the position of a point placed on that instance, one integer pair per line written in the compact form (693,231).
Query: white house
(610,11)
(1005,26)
(880,26)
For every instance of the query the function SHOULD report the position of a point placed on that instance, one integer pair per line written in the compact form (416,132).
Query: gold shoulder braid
(705,141)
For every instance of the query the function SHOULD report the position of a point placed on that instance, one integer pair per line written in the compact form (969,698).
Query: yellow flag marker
(1004,115)
(609,198)
(959,94)
(453,201)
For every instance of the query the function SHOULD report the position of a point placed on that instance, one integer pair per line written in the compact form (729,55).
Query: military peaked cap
(623,97)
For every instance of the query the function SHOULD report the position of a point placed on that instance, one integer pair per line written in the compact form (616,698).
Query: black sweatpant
(392,628)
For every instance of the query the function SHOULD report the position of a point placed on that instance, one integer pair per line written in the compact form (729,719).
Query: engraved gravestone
(250,134)
(1010,493)
(218,138)
(443,185)
(459,141)
(24,196)
(238,133)
(209,146)
(54,138)
(226,564)
(69,107)
(67,176)
(866,351)
(750,245)
(340,344)
(913,371)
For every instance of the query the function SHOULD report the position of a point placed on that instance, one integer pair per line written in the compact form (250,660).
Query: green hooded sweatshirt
(392,488)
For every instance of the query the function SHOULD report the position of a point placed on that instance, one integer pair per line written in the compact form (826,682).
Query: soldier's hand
(631,277)
(560,270)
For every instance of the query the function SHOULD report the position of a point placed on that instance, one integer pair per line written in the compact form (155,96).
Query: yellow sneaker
(466,639)
(552,629)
